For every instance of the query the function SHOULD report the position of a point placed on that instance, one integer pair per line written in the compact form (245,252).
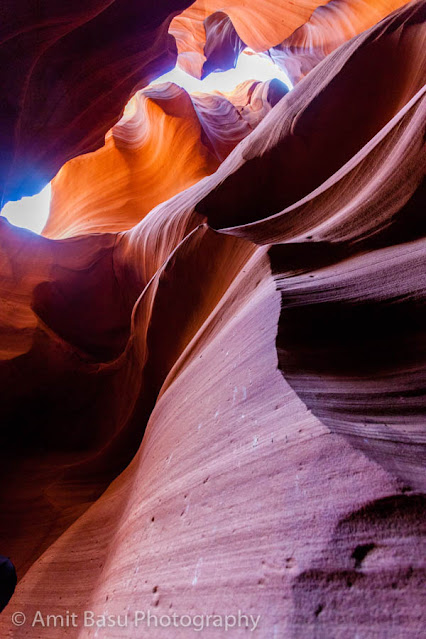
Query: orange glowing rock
(299,34)
(51,111)
(259,25)
(115,187)
(213,399)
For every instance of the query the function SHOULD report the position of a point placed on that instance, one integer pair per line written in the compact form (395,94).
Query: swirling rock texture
(213,368)
(210,34)
(236,23)
(206,43)
(329,26)
(135,170)
(51,110)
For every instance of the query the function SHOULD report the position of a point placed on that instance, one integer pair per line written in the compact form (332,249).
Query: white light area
(29,212)
(32,212)
(250,66)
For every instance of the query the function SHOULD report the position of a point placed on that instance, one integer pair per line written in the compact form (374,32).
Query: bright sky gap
(250,66)
(32,212)
(29,212)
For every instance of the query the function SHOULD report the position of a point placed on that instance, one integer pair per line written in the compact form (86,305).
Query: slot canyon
(213,353)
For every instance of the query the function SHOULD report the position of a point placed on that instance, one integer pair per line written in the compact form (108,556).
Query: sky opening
(29,212)
(32,212)
(250,66)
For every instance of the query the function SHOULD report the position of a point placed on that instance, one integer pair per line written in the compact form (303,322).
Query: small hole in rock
(319,609)
(360,553)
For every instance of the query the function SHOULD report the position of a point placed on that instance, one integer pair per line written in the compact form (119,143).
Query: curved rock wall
(330,25)
(213,378)
(51,111)
(135,170)
(298,35)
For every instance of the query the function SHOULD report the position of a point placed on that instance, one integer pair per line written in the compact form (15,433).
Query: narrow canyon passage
(212,319)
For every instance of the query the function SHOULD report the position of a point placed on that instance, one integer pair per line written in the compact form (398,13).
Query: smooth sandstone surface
(330,25)
(136,170)
(211,33)
(67,69)
(213,365)
(258,25)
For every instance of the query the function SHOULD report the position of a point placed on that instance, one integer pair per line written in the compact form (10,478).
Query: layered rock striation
(213,364)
